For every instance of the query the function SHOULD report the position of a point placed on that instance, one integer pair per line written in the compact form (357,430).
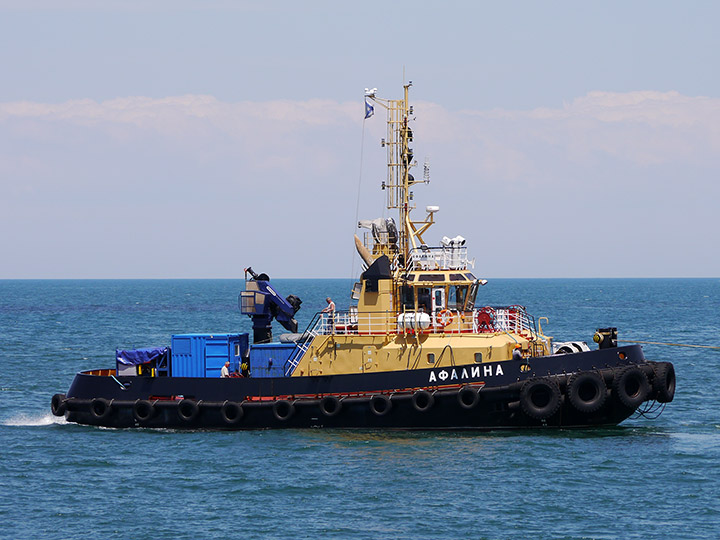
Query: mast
(400,160)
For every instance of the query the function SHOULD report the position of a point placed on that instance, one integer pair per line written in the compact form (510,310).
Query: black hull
(502,395)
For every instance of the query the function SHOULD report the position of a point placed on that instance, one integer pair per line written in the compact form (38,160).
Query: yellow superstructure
(415,304)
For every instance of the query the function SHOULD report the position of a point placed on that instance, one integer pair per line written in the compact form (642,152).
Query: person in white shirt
(225,372)
(330,307)
(330,310)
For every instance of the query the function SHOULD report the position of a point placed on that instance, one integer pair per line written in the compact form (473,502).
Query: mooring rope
(671,344)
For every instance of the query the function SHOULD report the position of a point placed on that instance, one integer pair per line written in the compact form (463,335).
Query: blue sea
(647,478)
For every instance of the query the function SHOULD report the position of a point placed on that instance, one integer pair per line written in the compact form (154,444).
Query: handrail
(302,344)
(439,258)
(506,319)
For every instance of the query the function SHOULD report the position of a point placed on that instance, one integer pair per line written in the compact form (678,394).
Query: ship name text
(465,373)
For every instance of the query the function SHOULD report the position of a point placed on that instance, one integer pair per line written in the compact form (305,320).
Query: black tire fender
(586,391)
(330,406)
(283,409)
(468,397)
(664,382)
(143,410)
(188,410)
(540,398)
(231,412)
(631,387)
(100,408)
(380,404)
(57,404)
(422,401)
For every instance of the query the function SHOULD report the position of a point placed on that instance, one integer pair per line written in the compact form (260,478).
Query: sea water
(648,478)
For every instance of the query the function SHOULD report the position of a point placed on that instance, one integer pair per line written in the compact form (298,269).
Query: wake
(32,420)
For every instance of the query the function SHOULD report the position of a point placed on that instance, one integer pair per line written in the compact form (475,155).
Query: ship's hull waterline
(595,388)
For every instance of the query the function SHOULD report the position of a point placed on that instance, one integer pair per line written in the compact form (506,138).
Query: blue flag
(369,110)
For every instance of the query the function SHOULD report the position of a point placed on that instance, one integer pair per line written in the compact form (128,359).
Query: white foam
(42,419)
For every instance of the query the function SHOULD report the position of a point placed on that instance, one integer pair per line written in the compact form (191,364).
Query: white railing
(439,258)
(302,345)
(510,319)
(354,323)
(513,319)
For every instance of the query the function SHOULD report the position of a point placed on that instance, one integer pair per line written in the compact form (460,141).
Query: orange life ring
(444,317)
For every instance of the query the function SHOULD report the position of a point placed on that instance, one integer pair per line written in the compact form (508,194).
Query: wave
(37,419)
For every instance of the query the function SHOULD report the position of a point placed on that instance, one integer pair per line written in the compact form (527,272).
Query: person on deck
(330,307)
(330,310)
(225,371)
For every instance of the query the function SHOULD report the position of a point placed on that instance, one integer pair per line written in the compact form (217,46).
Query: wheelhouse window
(470,304)
(439,300)
(431,277)
(424,300)
(407,297)
(457,294)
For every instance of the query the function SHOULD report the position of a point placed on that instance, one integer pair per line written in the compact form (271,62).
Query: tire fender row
(232,412)
(588,391)
(538,397)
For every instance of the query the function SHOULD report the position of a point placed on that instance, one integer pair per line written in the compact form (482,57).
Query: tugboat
(416,350)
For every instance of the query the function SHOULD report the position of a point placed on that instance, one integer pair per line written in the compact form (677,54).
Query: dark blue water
(648,478)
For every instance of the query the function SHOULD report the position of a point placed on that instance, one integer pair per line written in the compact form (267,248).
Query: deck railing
(505,319)
(439,258)
(500,319)
(514,319)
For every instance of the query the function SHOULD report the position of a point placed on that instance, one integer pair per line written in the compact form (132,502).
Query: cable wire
(671,344)
(357,202)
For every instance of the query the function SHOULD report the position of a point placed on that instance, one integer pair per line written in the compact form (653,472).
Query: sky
(179,139)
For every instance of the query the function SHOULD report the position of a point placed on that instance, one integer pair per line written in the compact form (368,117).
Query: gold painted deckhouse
(414,351)
(416,304)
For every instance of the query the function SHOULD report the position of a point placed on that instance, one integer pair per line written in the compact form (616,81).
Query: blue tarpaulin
(140,356)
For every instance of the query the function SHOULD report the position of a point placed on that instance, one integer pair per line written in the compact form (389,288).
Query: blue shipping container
(203,355)
(268,359)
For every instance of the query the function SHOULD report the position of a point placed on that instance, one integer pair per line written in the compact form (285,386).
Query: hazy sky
(177,139)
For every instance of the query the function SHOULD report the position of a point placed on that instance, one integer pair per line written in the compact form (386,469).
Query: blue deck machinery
(262,303)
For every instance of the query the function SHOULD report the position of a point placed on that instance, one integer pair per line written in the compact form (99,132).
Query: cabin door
(438,299)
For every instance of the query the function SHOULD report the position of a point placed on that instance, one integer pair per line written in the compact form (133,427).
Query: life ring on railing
(485,320)
(444,317)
